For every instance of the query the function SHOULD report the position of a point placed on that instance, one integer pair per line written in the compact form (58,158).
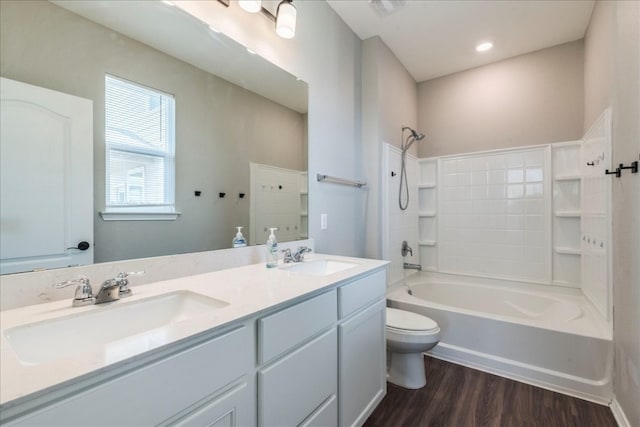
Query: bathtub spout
(408,266)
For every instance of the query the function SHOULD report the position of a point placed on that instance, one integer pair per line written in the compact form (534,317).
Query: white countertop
(249,290)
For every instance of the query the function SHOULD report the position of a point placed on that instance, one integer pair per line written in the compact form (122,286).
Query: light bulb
(286,19)
(252,6)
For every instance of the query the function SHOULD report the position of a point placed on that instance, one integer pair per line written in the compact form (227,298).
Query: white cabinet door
(296,386)
(235,407)
(362,364)
(46,178)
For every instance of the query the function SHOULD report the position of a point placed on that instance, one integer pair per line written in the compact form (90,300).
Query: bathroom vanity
(294,345)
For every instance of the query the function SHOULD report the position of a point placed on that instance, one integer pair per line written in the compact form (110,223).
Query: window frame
(148,211)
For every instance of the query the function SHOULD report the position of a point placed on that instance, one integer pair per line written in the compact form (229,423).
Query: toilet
(408,336)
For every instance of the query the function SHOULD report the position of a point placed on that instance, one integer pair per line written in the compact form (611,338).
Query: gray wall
(612,77)
(327,55)
(389,101)
(220,127)
(536,98)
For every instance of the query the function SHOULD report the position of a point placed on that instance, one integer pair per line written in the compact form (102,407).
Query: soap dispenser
(239,241)
(272,250)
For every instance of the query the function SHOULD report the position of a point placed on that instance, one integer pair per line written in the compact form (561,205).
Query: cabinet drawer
(154,393)
(293,387)
(288,328)
(361,292)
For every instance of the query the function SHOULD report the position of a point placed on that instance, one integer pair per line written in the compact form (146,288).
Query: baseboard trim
(618,414)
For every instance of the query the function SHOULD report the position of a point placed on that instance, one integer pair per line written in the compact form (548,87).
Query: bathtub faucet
(406,249)
(408,266)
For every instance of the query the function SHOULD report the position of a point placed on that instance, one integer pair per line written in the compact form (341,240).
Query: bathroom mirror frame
(210,53)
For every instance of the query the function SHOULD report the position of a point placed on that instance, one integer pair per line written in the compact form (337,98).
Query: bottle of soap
(239,241)
(272,250)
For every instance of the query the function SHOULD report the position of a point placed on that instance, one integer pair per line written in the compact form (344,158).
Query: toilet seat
(402,321)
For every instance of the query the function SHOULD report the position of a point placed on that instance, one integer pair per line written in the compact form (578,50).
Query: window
(140,151)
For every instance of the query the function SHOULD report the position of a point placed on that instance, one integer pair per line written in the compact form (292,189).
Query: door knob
(83,246)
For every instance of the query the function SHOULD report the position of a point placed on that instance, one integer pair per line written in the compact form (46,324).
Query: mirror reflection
(240,158)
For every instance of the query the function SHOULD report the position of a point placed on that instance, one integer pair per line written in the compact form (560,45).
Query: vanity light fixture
(251,6)
(483,47)
(286,19)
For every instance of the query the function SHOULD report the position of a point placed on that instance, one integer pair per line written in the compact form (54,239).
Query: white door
(275,202)
(46,178)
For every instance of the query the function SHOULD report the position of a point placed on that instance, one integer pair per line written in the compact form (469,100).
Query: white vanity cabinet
(362,356)
(318,360)
(209,383)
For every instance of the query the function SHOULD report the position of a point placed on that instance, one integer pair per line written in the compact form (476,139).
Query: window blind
(140,145)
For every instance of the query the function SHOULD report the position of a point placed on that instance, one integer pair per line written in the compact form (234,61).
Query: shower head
(416,135)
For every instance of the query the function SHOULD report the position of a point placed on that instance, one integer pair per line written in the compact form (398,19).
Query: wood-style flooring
(457,396)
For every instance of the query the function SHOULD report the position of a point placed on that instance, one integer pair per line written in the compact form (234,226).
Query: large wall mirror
(240,126)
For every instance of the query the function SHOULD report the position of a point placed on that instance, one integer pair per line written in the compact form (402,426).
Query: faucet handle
(84,293)
(122,280)
(131,273)
(288,257)
(82,280)
(299,255)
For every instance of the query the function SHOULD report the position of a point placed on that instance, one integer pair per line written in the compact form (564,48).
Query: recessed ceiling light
(483,47)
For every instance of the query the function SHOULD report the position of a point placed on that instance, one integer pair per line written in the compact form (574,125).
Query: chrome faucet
(110,290)
(408,266)
(297,256)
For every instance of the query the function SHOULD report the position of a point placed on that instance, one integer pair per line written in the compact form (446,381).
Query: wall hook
(591,163)
(633,166)
(617,172)
(222,195)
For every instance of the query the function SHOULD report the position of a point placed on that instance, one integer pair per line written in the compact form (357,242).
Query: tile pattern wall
(494,214)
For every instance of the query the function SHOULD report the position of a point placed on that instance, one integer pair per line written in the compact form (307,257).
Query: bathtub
(546,336)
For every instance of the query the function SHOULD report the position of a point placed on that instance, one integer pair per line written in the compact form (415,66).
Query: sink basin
(319,267)
(123,326)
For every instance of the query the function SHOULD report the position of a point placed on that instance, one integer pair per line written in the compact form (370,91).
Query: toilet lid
(401,319)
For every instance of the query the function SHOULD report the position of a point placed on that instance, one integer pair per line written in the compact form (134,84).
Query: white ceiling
(179,34)
(433,38)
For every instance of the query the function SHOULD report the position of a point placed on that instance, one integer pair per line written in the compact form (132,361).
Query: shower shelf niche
(566,213)
(427,213)
(304,203)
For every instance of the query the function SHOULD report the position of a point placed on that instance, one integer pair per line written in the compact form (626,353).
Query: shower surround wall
(399,225)
(494,214)
(527,214)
